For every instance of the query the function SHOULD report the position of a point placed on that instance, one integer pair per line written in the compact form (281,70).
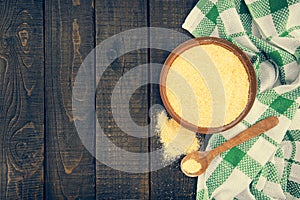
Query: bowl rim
(203,41)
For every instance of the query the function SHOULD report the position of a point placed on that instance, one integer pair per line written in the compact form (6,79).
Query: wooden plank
(69,37)
(113,17)
(21,100)
(169,182)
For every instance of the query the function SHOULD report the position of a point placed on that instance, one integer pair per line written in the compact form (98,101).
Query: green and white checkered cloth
(267,166)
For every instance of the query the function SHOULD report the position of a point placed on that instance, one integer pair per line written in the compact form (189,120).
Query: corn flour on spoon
(195,163)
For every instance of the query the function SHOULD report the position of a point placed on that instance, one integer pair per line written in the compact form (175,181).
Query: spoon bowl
(200,157)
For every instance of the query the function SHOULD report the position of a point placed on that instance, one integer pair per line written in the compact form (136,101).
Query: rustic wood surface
(168,14)
(21,100)
(69,37)
(113,17)
(42,46)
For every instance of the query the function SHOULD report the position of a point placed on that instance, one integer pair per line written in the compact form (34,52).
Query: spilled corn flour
(175,139)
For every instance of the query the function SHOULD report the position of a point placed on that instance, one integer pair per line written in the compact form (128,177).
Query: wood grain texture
(69,37)
(21,100)
(113,17)
(169,182)
(42,46)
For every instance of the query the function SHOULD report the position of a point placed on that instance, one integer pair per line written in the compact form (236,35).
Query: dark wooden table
(42,45)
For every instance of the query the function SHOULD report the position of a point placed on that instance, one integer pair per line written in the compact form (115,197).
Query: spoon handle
(255,130)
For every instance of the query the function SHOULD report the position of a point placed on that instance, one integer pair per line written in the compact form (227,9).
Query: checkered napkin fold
(267,166)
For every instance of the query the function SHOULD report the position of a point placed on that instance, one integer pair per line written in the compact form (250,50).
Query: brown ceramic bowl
(202,41)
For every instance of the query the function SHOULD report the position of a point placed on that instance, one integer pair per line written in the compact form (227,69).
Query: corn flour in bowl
(208,85)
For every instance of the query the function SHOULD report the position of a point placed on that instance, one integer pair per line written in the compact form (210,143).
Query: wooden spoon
(201,159)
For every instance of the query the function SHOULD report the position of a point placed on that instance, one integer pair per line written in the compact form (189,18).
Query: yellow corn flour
(175,139)
(190,94)
(191,166)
